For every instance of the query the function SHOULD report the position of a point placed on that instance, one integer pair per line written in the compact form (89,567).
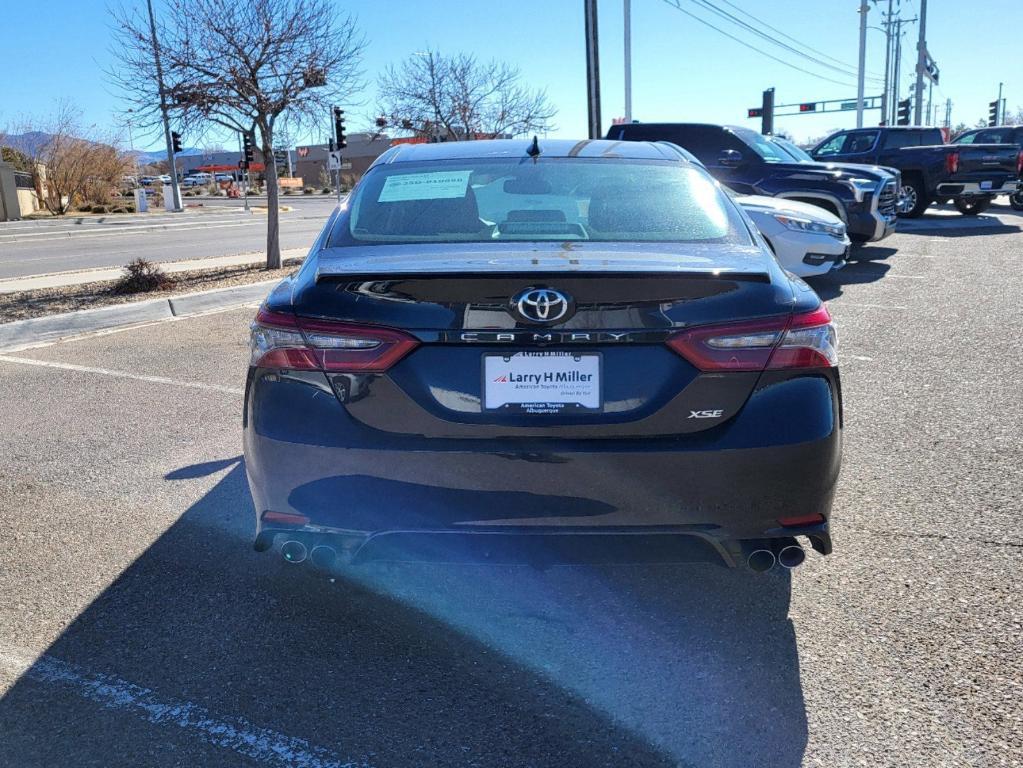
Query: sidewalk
(60,279)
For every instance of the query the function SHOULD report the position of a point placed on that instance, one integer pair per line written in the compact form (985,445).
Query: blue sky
(681,69)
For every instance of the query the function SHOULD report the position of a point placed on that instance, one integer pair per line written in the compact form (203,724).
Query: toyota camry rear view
(497,349)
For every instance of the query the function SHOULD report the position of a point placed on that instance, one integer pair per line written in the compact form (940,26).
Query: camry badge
(542,305)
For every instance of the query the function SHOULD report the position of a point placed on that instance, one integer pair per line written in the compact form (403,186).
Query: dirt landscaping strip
(41,302)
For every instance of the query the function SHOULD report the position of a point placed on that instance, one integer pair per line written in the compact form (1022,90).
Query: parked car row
(970,172)
(853,184)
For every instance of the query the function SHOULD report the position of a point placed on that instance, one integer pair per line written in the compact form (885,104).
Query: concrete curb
(42,330)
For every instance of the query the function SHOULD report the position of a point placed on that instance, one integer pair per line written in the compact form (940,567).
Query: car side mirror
(730,158)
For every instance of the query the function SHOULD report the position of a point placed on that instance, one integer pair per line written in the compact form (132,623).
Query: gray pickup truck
(970,175)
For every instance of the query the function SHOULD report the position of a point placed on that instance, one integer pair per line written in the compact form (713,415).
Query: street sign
(334,160)
(848,105)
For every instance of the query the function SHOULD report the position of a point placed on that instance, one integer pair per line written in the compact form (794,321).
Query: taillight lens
(281,340)
(806,340)
(952,162)
(1019,164)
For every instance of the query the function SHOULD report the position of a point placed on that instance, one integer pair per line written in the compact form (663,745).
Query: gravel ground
(51,301)
(127,557)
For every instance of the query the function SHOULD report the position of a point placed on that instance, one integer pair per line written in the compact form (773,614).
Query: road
(84,242)
(138,627)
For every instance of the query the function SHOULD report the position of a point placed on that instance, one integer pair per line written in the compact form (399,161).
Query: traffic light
(767,116)
(175,142)
(339,127)
(902,114)
(754,112)
(248,147)
(992,113)
(809,106)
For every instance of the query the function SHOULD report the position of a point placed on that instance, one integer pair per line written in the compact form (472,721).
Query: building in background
(310,161)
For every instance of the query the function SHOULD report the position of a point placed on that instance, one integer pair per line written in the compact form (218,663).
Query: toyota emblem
(542,305)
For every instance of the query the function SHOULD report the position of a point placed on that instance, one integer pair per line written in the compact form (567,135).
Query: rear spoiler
(732,262)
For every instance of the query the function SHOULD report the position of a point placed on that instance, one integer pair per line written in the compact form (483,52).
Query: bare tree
(243,65)
(460,98)
(79,165)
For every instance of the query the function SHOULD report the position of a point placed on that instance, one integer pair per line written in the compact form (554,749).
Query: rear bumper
(306,456)
(974,188)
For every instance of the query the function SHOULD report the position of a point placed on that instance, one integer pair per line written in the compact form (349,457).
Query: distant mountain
(159,155)
(30,142)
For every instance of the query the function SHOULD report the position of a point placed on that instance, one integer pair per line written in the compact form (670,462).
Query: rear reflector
(805,340)
(799,521)
(284,518)
(282,340)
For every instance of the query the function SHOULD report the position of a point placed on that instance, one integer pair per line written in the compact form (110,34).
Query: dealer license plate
(542,382)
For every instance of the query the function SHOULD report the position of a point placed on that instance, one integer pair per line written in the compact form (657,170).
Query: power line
(675,4)
(843,70)
(789,37)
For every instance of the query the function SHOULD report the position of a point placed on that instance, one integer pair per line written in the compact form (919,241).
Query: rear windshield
(492,200)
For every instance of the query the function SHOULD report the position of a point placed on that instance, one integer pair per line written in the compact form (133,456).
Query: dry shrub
(143,276)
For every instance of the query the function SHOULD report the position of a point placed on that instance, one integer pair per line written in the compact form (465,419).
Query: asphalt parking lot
(138,626)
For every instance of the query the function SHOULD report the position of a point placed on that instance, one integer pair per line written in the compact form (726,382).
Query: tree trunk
(273,225)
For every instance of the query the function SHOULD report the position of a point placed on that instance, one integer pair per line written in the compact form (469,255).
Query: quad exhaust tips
(294,551)
(760,560)
(791,556)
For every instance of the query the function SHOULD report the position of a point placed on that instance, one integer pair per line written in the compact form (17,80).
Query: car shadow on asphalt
(414,664)
(864,269)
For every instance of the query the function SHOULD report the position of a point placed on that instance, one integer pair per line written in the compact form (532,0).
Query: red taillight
(806,340)
(281,340)
(1019,164)
(952,162)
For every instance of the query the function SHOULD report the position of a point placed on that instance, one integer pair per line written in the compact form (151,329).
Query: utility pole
(592,69)
(948,113)
(930,102)
(921,65)
(886,96)
(627,12)
(897,66)
(175,194)
(864,8)
(1000,110)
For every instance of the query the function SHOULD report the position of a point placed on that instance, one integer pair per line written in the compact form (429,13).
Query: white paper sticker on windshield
(424,186)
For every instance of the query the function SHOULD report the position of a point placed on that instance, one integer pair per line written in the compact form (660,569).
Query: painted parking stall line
(122,374)
(229,732)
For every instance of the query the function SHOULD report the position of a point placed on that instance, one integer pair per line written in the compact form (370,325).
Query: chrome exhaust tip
(791,556)
(294,551)
(760,560)
(323,556)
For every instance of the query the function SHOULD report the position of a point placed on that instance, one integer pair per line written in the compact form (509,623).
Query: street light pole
(886,98)
(627,9)
(592,69)
(864,8)
(921,65)
(175,195)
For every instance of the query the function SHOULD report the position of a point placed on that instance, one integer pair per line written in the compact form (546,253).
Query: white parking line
(840,304)
(234,733)
(122,374)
